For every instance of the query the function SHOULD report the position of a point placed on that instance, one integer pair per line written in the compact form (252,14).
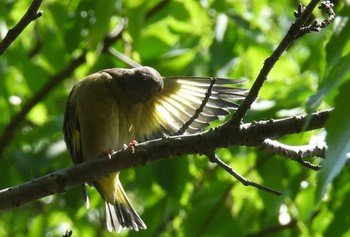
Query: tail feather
(85,196)
(119,211)
(126,214)
(111,218)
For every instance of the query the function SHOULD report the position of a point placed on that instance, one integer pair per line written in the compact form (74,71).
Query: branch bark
(293,33)
(297,153)
(249,134)
(31,14)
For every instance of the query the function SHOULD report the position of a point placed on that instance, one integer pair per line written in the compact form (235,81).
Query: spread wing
(182,96)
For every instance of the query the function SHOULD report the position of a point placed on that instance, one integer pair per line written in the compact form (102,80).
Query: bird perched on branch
(115,106)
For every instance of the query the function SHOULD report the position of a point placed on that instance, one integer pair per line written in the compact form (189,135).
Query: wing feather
(71,130)
(182,96)
(72,137)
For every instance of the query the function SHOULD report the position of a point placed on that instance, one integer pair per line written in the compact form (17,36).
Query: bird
(114,106)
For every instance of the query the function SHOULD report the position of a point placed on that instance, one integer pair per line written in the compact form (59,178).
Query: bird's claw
(131,146)
(108,153)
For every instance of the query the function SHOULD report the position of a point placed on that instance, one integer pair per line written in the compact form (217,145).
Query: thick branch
(275,128)
(62,180)
(31,15)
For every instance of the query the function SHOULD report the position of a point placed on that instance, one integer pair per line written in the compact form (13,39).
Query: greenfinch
(115,106)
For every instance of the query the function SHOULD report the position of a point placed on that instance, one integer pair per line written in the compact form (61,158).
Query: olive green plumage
(112,107)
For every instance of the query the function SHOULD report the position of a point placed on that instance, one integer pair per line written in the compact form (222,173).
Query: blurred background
(185,196)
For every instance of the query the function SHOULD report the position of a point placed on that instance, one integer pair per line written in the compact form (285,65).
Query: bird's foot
(131,146)
(108,153)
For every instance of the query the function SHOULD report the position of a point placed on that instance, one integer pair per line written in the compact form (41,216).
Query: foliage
(186,196)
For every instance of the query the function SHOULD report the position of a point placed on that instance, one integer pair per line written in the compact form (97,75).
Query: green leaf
(340,37)
(337,65)
(341,220)
(334,77)
(103,13)
(37,226)
(38,115)
(338,139)
(172,176)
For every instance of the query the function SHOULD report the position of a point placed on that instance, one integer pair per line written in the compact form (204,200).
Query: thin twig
(38,43)
(128,61)
(273,229)
(200,108)
(317,26)
(292,34)
(296,153)
(213,211)
(215,159)
(215,208)
(31,14)
(113,36)
(157,8)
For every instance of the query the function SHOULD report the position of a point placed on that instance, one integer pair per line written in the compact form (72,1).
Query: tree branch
(316,26)
(215,159)
(293,33)
(248,134)
(116,34)
(128,61)
(274,128)
(297,153)
(273,229)
(157,8)
(31,15)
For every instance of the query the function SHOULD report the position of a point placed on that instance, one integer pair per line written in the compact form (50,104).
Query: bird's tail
(119,211)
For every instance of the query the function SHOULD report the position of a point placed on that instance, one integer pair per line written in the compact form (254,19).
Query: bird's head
(139,84)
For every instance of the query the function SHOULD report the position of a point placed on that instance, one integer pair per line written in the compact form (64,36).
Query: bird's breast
(108,120)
